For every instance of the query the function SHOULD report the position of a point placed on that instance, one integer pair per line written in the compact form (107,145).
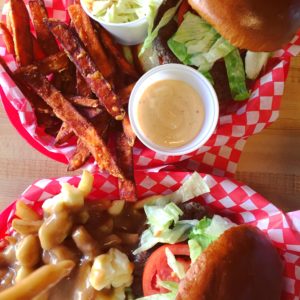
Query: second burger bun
(257,25)
(241,265)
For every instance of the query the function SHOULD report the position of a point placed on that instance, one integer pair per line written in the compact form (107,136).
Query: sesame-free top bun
(242,264)
(257,25)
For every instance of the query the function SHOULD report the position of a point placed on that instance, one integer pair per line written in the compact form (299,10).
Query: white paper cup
(201,85)
(131,33)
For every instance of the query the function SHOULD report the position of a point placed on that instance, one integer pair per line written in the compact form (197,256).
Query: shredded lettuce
(254,63)
(161,218)
(163,215)
(198,44)
(152,33)
(208,230)
(175,265)
(168,285)
(236,75)
(195,249)
(178,232)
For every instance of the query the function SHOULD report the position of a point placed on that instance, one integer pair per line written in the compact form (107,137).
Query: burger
(229,42)
(187,252)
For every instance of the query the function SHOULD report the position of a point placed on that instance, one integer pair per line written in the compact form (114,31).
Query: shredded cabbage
(122,11)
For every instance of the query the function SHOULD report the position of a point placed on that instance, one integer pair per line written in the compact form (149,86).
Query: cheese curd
(112,269)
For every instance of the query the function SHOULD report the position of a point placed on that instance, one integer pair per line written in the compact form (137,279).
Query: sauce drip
(170,113)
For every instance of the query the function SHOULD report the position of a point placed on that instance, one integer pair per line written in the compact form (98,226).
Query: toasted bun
(241,265)
(257,25)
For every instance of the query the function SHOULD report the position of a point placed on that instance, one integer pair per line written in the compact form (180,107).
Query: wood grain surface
(270,163)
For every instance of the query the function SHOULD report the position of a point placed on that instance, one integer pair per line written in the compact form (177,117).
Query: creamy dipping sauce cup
(191,77)
(130,33)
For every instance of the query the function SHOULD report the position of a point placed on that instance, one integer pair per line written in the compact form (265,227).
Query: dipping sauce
(170,113)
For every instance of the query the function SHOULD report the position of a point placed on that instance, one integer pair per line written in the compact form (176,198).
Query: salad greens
(198,44)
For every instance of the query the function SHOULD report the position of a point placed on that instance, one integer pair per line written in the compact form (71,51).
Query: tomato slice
(157,267)
(183,8)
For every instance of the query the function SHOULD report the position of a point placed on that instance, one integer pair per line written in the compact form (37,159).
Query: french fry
(85,30)
(44,36)
(8,39)
(80,156)
(20,24)
(83,62)
(64,110)
(64,134)
(28,252)
(125,92)
(117,53)
(55,229)
(85,243)
(38,282)
(57,62)
(24,212)
(127,188)
(83,101)
(81,86)
(26,227)
(38,52)
(36,102)
(82,153)
(130,135)
(8,21)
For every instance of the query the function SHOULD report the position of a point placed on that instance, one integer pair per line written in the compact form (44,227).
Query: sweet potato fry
(38,52)
(43,34)
(81,86)
(130,135)
(53,63)
(127,188)
(83,101)
(64,134)
(8,21)
(8,39)
(113,49)
(77,54)
(64,110)
(80,156)
(82,153)
(125,92)
(20,24)
(85,30)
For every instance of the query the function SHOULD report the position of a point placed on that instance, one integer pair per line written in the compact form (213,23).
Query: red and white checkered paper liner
(219,155)
(227,197)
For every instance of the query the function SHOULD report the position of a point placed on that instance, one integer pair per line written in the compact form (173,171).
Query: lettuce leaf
(152,33)
(208,230)
(236,75)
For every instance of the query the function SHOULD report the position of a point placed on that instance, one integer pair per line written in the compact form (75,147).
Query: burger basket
(227,197)
(219,156)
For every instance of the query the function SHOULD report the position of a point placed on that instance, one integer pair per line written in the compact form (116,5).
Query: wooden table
(270,163)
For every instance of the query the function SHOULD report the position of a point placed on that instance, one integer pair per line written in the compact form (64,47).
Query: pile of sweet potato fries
(78,82)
